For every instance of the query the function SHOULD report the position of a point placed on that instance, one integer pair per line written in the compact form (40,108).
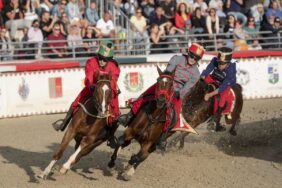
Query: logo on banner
(243,77)
(23,90)
(55,87)
(133,81)
(273,73)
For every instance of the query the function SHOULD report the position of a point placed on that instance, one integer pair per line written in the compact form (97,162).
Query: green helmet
(106,49)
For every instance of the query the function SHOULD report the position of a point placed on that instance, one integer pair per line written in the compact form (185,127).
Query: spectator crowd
(75,25)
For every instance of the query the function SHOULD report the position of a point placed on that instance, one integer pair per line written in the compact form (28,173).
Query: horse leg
(69,135)
(123,141)
(232,130)
(77,141)
(136,160)
(182,139)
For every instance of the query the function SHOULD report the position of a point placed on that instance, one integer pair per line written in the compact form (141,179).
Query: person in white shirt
(35,37)
(106,26)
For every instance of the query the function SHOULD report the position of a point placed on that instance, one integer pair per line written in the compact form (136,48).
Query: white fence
(52,91)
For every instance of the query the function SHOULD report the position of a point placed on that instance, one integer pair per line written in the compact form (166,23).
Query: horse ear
(159,70)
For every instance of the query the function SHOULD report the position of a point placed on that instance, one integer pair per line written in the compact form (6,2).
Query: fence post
(215,41)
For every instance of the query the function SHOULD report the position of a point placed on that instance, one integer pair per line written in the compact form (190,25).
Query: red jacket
(179,21)
(92,66)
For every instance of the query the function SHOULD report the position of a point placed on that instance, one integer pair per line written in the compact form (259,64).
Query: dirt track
(251,159)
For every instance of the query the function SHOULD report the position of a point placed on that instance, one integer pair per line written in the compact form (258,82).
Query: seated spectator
(91,14)
(140,29)
(148,7)
(169,9)
(273,27)
(14,13)
(158,17)
(156,40)
(212,22)
(5,46)
(106,26)
(240,37)
(59,9)
(182,18)
(229,30)
(56,43)
(47,23)
(74,40)
(35,39)
(198,22)
(273,10)
(252,29)
(218,6)
(236,7)
(257,12)
(49,4)
(174,43)
(203,5)
(72,11)
(129,7)
(89,42)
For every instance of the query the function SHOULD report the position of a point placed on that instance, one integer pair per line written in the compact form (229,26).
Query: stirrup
(57,125)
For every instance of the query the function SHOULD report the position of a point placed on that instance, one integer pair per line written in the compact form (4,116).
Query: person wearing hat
(186,75)
(103,63)
(221,71)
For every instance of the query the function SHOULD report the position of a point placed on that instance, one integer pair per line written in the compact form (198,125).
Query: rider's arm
(89,73)
(230,78)
(115,75)
(192,81)
(209,68)
(172,64)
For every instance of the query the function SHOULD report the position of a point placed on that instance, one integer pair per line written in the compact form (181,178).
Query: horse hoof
(63,170)
(126,177)
(110,171)
(42,176)
(233,133)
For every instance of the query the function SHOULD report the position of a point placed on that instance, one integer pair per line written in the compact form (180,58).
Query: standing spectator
(14,13)
(273,10)
(56,43)
(182,18)
(169,8)
(106,26)
(212,23)
(59,8)
(72,11)
(91,14)
(257,12)
(158,17)
(89,42)
(74,39)
(47,23)
(155,38)
(35,39)
(5,46)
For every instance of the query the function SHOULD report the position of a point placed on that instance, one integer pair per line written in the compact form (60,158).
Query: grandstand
(36,29)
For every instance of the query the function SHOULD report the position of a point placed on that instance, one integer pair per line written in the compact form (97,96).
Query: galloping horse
(88,126)
(147,126)
(196,110)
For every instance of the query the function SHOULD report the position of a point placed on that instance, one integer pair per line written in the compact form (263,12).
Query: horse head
(164,87)
(103,93)
(194,107)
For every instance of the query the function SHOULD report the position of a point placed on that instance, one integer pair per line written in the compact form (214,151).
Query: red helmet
(197,50)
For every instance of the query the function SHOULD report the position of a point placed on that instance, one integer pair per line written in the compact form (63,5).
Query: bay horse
(196,110)
(88,126)
(147,125)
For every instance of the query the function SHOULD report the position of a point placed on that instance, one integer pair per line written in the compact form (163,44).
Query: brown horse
(88,126)
(196,110)
(147,125)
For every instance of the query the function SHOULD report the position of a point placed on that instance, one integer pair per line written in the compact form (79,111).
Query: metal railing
(133,46)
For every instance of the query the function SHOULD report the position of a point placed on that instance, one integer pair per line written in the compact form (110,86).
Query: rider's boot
(63,123)
(217,117)
(125,118)
(112,140)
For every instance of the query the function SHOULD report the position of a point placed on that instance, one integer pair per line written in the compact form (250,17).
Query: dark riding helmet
(224,55)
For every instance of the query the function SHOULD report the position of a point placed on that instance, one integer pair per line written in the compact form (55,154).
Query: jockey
(102,62)
(221,71)
(186,75)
